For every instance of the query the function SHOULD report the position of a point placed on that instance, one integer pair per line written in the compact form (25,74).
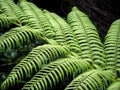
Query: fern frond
(54,72)
(33,62)
(88,38)
(5,8)
(115,85)
(9,8)
(37,18)
(7,21)
(59,35)
(19,36)
(63,32)
(92,80)
(32,16)
(112,46)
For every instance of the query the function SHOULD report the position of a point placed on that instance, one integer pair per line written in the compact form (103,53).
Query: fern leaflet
(92,80)
(88,38)
(112,47)
(54,72)
(19,36)
(33,62)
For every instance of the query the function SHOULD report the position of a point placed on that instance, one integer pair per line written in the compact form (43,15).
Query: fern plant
(70,48)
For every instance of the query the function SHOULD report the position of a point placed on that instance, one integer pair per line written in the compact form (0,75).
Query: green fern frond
(115,85)
(9,8)
(112,46)
(55,72)
(66,32)
(19,36)
(59,36)
(92,80)
(5,8)
(37,18)
(88,38)
(7,21)
(33,62)
(31,14)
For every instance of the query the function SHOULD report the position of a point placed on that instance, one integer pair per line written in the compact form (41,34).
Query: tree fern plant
(71,48)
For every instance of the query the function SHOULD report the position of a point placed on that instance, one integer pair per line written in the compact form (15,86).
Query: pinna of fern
(19,36)
(36,17)
(56,71)
(92,80)
(10,9)
(59,36)
(53,25)
(63,33)
(115,85)
(112,47)
(33,62)
(31,14)
(87,35)
(7,22)
(6,8)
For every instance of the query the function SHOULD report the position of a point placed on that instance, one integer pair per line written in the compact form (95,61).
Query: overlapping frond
(54,72)
(37,18)
(9,8)
(6,8)
(33,62)
(92,80)
(64,31)
(87,35)
(112,46)
(19,36)
(115,85)
(59,35)
(7,21)
(31,14)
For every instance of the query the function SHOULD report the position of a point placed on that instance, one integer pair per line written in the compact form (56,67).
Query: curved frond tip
(87,36)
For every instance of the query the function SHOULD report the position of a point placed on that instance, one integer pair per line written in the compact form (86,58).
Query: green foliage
(31,13)
(112,47)
(87,36)
(48,49)
(33,62)
(10,9)
(92,80)
(115,85)
(64,33)
(56,71)
(18,36)
(59,35)
(7,22)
